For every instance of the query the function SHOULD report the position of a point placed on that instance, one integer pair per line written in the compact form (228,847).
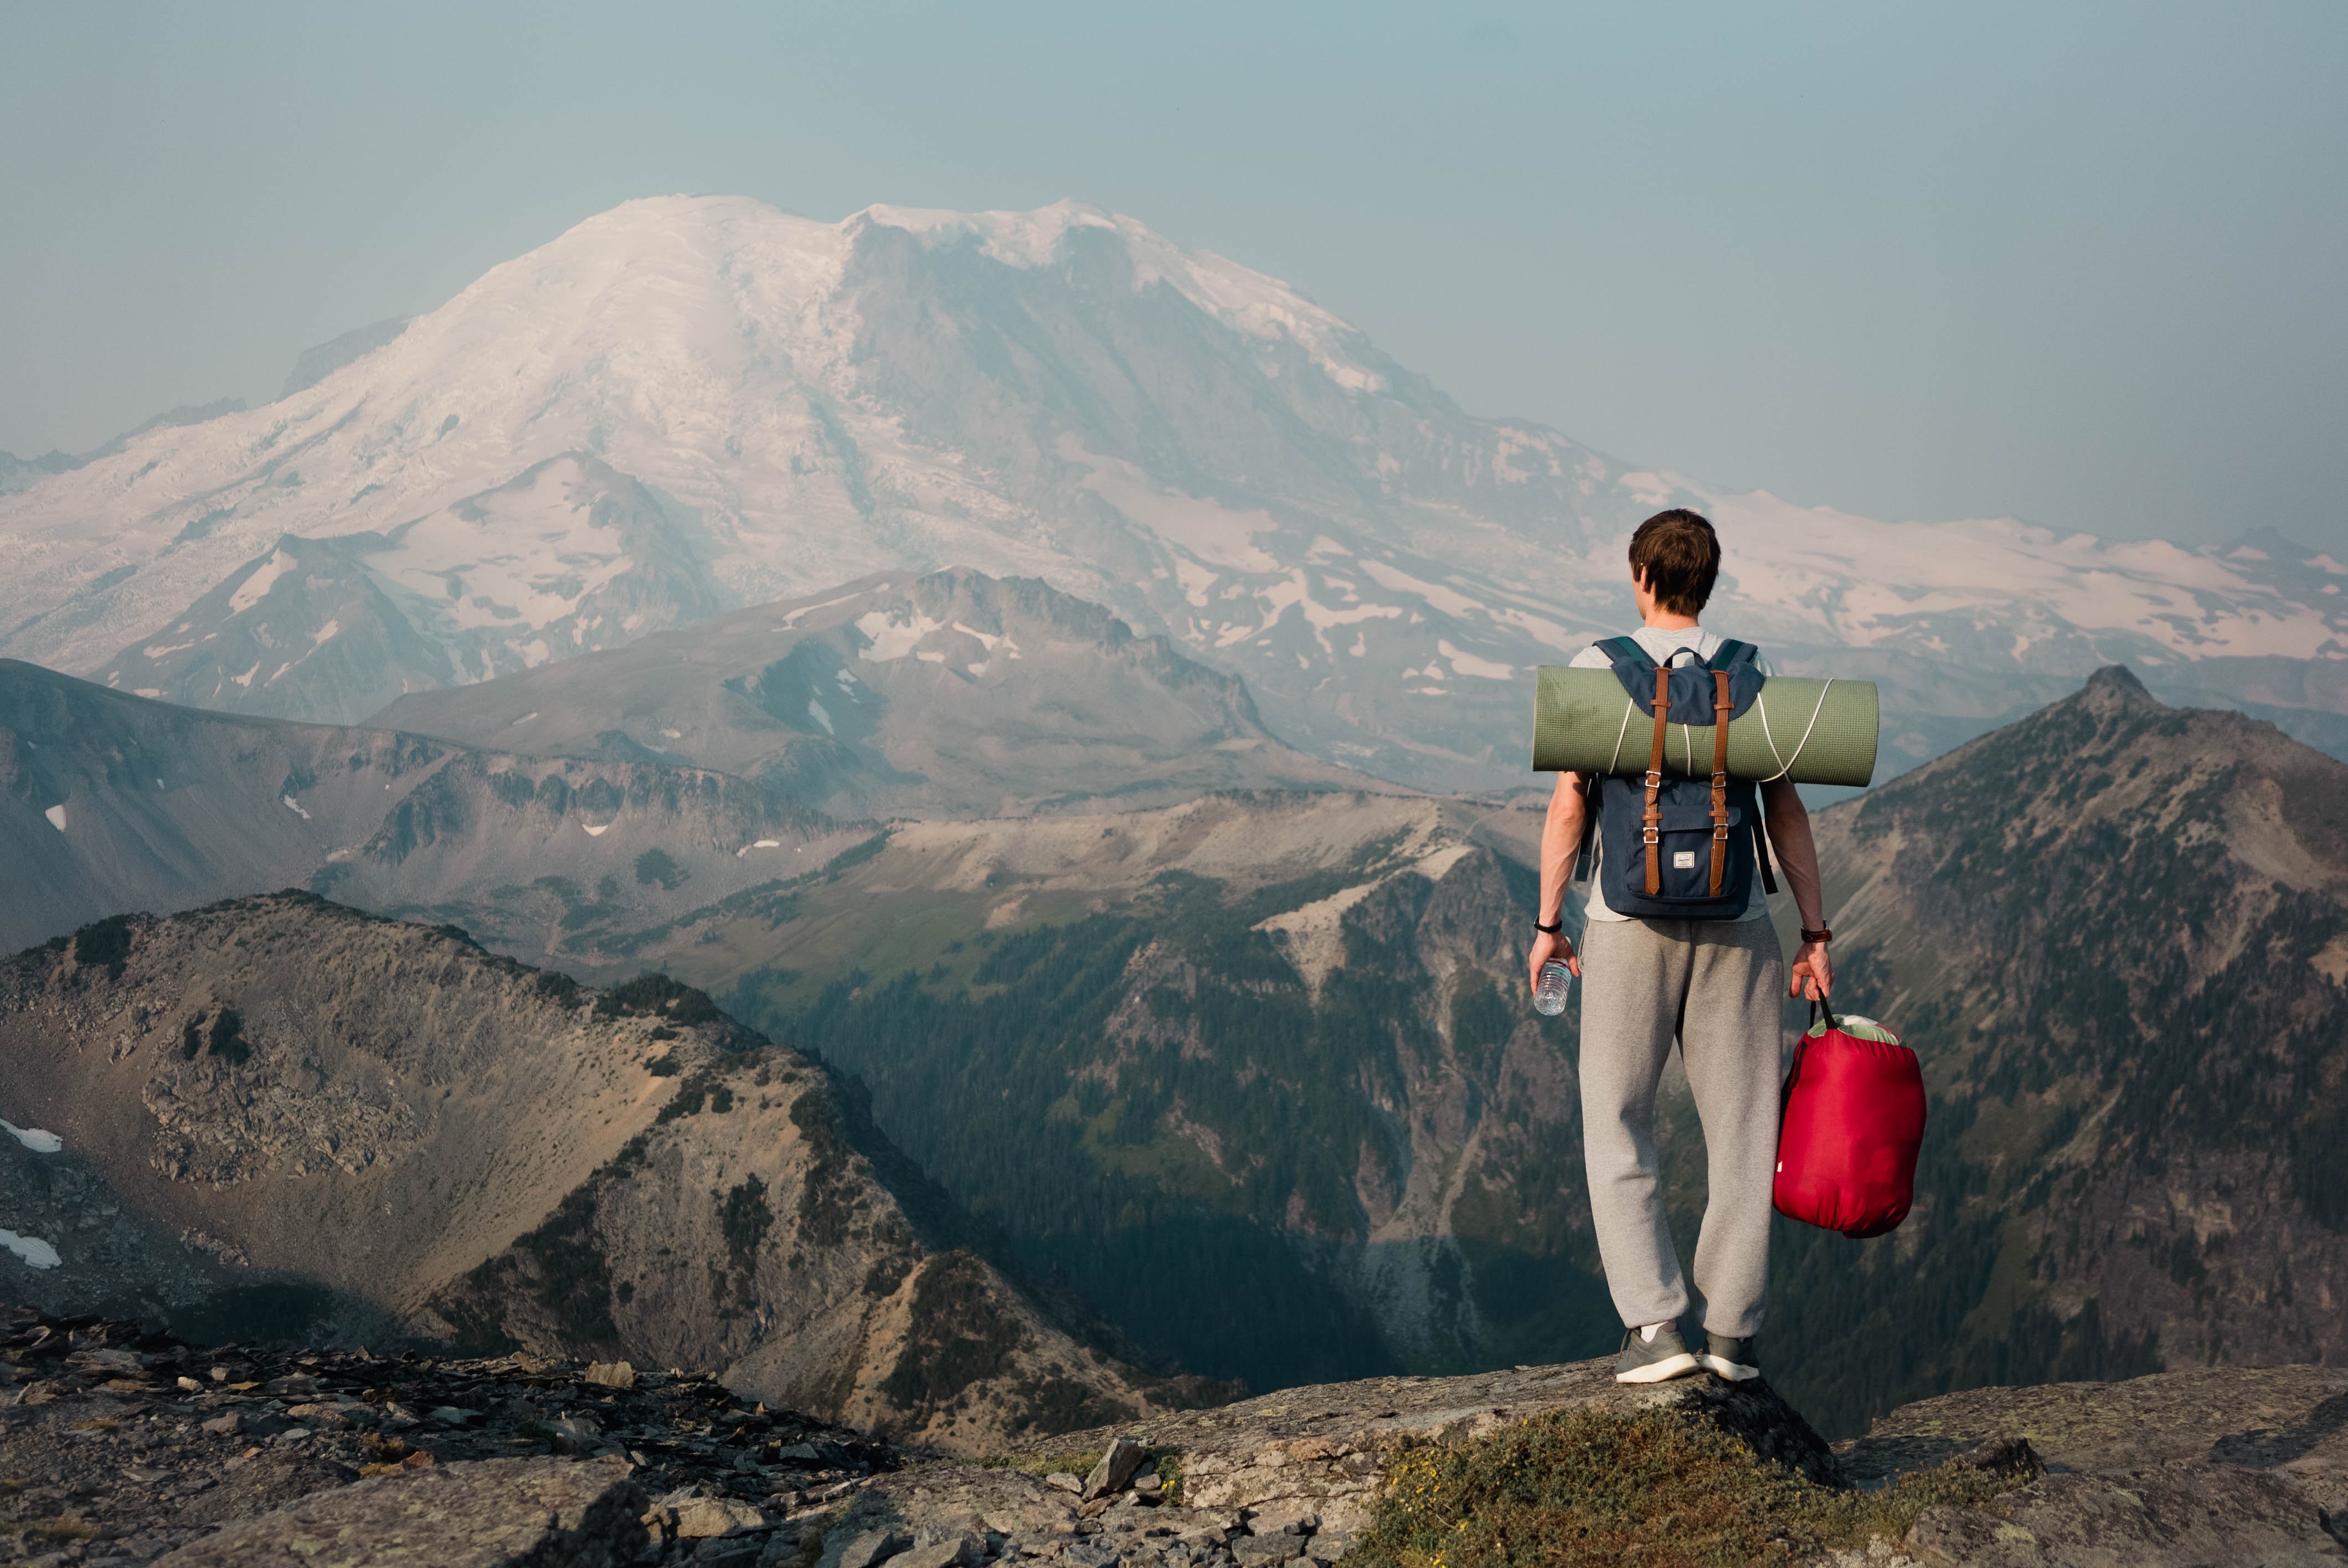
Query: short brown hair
(1679,555)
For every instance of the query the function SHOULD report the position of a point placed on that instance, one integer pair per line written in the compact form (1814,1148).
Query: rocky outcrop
(1322,1453)
(387,1130)
(491,1514)
(2213,1466)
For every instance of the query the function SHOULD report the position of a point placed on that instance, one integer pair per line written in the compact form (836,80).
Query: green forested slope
(1252,1178)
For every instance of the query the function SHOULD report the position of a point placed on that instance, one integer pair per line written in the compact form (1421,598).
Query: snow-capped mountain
(690,404)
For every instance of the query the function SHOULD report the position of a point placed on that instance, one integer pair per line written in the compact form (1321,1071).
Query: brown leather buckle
(1651,837)
(1654,779)
(1720,833)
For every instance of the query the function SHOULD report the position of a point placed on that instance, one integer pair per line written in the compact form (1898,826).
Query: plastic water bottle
(1548,996)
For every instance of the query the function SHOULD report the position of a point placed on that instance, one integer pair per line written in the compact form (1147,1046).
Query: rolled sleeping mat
(1810,730)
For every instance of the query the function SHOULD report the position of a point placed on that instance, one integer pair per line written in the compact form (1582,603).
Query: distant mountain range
(599,796)
(688,405)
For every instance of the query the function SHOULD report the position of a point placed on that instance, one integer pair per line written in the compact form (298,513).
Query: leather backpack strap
(1721,707)
(1652,831)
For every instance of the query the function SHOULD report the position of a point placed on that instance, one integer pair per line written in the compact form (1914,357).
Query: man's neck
(1671,620)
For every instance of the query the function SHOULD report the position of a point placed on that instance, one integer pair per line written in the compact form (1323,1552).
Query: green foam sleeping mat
(1808,730)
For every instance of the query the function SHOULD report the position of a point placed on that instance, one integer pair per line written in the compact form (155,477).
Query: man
(1715,984)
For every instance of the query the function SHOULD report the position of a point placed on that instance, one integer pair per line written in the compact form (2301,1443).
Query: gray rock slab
(486,1513)
(2186,1513)
(2288,1418)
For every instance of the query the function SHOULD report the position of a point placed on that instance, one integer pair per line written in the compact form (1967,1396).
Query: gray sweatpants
(1716,985)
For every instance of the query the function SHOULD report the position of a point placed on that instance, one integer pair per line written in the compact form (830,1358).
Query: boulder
(611,1374)
(485,1513)
(707,1516)
(1117,1467)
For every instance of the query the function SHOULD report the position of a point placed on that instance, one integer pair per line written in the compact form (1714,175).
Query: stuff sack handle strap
(1652,830)
(1801,1049)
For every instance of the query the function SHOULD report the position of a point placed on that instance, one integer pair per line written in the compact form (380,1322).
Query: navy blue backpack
(1680,848)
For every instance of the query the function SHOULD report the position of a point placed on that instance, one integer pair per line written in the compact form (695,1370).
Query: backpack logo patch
(1684,860)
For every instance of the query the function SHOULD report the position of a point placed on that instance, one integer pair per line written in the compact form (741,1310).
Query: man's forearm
(1797,852)
(1561,843)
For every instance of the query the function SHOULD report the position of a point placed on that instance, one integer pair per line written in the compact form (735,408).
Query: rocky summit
(119,1445)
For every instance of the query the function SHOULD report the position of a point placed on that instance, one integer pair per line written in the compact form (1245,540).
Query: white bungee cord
(1785,767)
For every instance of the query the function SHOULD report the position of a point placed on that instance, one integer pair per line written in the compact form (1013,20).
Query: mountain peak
(2115,687)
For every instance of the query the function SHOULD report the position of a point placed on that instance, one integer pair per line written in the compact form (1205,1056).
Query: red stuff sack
(1853,1115)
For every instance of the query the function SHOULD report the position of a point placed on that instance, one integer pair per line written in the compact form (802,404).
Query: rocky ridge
(281,1111)
(112,803)
(946,694)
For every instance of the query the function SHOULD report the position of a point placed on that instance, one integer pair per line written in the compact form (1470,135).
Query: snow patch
(39,1139)
(1443,599)
(595,832)
(815,712)
(37,1252)
(1468,665)
(333,625)
(1208,532)
(255,589)
(57,816)
(892,634)
(296,807)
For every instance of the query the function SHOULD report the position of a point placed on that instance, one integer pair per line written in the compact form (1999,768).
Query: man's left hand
(1812,976)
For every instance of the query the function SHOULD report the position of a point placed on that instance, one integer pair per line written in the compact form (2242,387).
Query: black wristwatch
(1556,930)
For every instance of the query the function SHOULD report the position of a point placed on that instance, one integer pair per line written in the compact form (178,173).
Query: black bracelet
(1556,930)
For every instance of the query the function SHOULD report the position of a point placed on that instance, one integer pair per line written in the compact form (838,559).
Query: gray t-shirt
(1661,644)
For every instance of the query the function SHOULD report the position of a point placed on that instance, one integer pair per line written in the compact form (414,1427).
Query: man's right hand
(1553,947)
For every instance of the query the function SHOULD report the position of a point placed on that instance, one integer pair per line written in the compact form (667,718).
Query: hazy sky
(2082,264)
